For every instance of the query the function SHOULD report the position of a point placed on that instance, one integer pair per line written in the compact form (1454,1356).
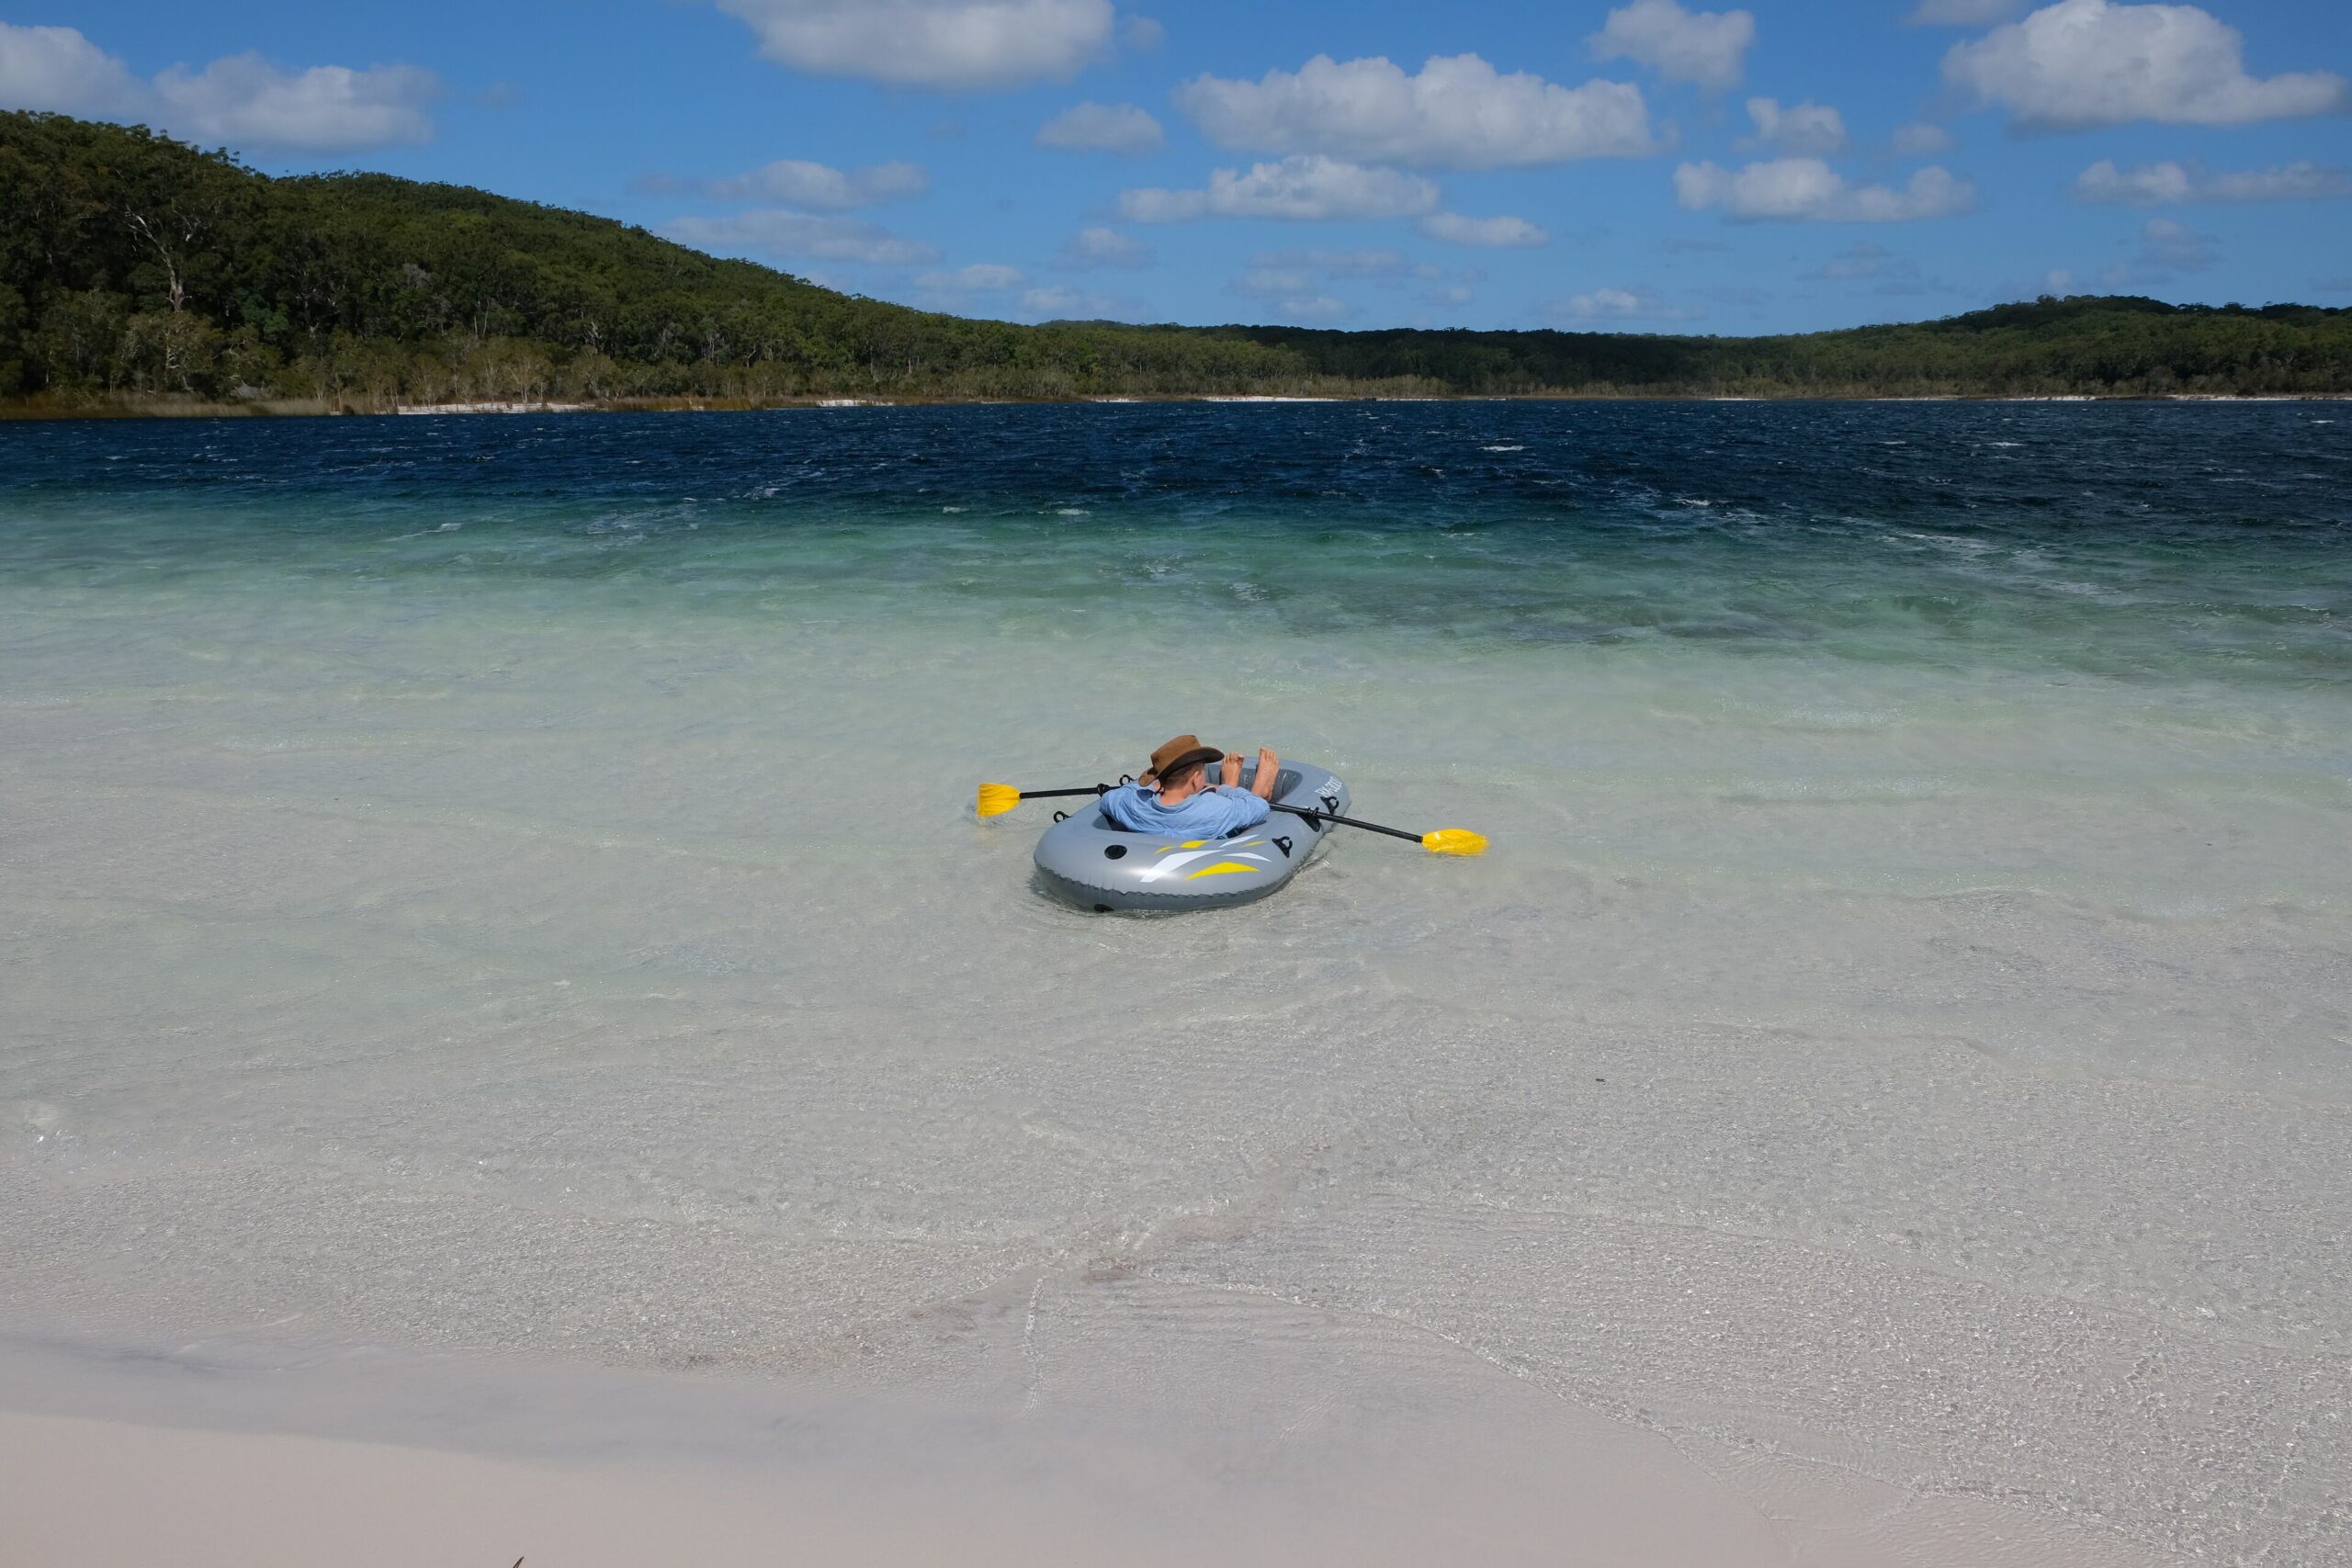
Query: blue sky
(1780,165)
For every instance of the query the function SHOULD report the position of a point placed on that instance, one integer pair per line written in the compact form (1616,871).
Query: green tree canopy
(133,266)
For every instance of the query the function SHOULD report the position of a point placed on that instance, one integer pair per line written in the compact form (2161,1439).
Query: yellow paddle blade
(997,799)
(1454,841)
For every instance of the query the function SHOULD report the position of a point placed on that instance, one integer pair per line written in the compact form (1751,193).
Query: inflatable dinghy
(1097,865)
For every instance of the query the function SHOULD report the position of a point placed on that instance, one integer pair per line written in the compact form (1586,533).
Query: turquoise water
(2148,541)
(509,885)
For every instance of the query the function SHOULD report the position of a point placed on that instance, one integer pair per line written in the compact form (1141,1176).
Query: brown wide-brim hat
(1183,752)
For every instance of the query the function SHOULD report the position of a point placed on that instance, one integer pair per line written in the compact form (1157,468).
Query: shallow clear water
(510,885)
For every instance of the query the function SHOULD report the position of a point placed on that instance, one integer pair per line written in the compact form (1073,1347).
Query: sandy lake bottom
(510,1030)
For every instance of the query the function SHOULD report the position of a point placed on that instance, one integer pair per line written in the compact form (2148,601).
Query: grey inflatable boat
(1098,865)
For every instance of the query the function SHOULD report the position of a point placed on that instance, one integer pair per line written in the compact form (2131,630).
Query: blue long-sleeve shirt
(1210,814)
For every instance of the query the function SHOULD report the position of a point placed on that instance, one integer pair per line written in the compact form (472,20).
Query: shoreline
(25,413)
(247,1455)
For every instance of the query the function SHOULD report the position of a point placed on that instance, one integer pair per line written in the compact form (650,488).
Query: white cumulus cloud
(1611,305)
(803,183)
(930,43)
(241,99)
(1304,185)
(775,231)
(1806,129)
(1104,247)
(2153,184)
(58,71)
(1101,128)
(2086,62)
(329,108)
(1708,48)
(1455,230)
(1458,112)
(1808,190)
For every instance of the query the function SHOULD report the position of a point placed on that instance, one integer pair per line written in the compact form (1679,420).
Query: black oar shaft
(1278,805)
(1348,821)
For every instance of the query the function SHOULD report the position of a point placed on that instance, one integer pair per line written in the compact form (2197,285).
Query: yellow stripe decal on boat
(1222,865)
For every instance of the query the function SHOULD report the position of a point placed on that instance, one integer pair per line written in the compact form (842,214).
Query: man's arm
(1247,810)
(1115,803)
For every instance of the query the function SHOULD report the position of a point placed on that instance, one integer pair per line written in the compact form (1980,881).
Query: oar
(997,799)
(1444,842)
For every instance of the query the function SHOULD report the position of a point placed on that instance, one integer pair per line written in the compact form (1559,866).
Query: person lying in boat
(1174,795)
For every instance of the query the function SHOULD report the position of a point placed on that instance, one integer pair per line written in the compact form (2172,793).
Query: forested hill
(137,272)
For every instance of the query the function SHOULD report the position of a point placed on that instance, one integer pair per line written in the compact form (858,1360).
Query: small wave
(1843,792)
(1808,716)
(1522,448)
(2096,592)
(1072,511)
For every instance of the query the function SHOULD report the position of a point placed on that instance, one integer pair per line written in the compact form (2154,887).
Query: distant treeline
(135,270)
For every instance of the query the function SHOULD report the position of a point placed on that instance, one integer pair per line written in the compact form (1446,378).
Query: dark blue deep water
(2119,537)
